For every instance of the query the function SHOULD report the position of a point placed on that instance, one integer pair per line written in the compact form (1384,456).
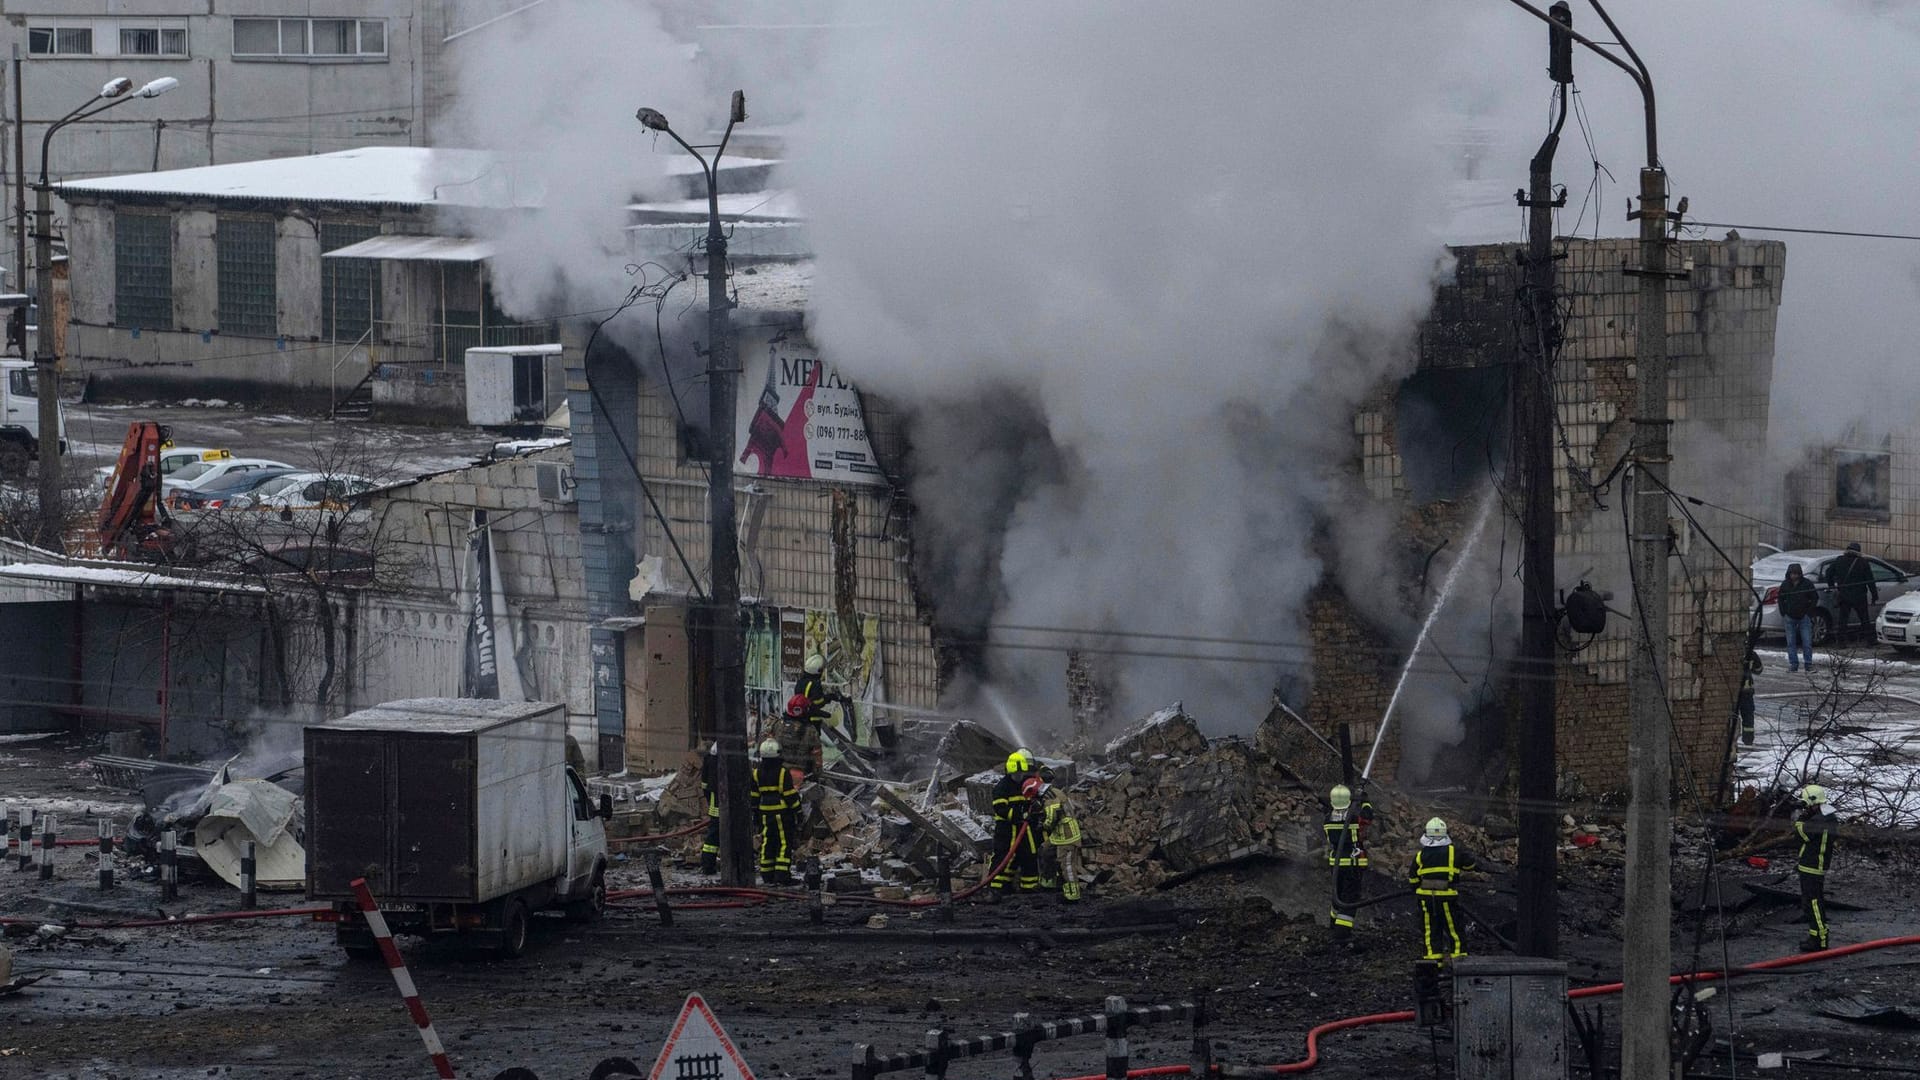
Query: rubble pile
(1158,802)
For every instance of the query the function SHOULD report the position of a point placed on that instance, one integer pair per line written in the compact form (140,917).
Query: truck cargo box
(437,800)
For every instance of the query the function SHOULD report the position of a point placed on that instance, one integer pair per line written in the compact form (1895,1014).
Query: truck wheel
(14,457)
(513,930)
(595,904)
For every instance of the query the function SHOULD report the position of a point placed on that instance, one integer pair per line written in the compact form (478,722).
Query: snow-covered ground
(1855,731)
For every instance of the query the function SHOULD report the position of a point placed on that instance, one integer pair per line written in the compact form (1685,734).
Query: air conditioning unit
(554,480)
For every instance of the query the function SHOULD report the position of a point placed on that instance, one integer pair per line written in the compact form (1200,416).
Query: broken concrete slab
(1168,732)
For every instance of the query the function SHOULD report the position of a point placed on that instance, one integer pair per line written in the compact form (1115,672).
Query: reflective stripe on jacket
(1816,842)
(1436,868)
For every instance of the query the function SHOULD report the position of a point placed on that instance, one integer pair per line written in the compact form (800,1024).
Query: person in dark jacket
(1814,826)
(1346,828)
(1851,575)
(1797,600)
(1018,851)
(1748,669)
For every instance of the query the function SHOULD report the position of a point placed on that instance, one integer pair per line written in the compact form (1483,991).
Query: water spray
(1426,628)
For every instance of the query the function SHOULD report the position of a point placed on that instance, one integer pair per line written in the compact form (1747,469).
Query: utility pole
(1531,441)
(1647,953)
(727,675)
(18,331)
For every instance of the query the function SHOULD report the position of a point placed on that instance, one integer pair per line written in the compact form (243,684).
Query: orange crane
(134,523)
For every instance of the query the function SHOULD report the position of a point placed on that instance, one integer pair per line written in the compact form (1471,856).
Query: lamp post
(727,710)
(45,363)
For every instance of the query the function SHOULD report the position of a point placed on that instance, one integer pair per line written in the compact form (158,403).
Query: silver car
(1770,571)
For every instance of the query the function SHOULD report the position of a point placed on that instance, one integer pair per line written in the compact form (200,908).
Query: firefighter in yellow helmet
(1010,814)
(1060,858)
(1437,866)
(1346,828)
(1813,824)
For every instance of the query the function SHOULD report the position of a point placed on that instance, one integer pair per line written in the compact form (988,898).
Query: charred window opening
(1451,430)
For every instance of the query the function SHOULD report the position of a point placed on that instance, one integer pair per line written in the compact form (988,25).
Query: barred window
(143,270)
(349,288)
(246,254)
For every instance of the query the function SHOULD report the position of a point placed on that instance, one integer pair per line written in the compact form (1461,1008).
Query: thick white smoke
(1186,243)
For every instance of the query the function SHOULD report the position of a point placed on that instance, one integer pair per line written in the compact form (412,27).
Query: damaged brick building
(1720,324)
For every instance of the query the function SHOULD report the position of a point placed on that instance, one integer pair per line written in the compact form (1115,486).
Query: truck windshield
(21,383)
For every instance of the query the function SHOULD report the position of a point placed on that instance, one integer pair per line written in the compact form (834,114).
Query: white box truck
(462,815)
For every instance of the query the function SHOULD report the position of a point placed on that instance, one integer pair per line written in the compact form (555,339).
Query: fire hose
(1315,1034)
(674,835)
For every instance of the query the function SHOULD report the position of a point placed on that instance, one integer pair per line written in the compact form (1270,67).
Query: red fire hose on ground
(1315,1034)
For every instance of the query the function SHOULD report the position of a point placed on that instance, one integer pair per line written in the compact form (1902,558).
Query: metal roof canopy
(411,248)
(127,577)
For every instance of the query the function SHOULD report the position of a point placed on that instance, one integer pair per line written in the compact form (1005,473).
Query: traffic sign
(698,1048)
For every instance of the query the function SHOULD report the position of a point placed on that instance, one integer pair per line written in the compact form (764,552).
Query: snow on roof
(774,286)
(774,205)
(375,175)
(121,576)
(403,175)
(408,248)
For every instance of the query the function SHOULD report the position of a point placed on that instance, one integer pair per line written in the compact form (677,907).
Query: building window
(153,41)
(349,288)
(309,37)
(60,40)
(1862,481)
(246,254)
(143,270)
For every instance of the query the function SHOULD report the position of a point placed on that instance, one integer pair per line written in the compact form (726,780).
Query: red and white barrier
(377,923)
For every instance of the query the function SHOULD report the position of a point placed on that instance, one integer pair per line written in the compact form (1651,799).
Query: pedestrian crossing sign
(698,1048)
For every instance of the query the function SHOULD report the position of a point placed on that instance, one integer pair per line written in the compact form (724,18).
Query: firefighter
(1437,865)
(1060,860)
(806,713)
(776,800)
(1346,828)
(1010,813)
(710,787)
(1744,703)
(1814,826)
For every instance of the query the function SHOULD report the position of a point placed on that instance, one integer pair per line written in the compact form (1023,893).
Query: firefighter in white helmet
(1813,824)
(1437,866)
(807,712)
(775,800)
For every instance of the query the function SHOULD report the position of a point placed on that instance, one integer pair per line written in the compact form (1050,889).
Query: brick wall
(1720,324)
(1816,520)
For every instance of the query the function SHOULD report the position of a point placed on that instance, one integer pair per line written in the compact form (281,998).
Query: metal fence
(1115,1022)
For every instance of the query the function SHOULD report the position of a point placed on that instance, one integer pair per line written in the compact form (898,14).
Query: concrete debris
(1159,803)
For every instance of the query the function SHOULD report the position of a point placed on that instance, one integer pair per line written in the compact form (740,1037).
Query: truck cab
(20,410)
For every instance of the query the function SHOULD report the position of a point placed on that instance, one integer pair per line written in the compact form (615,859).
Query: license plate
(401,907)
(1894,635)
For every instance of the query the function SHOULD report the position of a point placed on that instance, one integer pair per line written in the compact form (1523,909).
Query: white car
(1899,623)
(172,460)
(1769,573)
(200,474)
(304,491)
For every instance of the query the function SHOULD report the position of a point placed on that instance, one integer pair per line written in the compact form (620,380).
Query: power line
(1807,232)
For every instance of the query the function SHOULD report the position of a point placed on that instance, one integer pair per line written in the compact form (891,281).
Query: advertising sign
(806,422)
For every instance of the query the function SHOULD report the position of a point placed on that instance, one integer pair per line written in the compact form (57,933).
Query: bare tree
(312,549)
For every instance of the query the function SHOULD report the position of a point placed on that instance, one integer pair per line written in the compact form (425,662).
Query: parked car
(306,491)
(172,460)
(1768,573)
(1897,625)
(200,475)
(220,495)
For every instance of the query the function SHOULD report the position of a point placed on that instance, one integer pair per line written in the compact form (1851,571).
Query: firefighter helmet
(1032,787)
(798,706)
(1437,828)
(816,664)
(1018,762)
(1812,795)
(770,748)
(1340,797)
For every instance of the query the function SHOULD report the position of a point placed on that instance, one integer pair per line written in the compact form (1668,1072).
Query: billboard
(806,422)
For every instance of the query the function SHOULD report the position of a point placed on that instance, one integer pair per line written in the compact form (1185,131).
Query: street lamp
(117,92)
(727,711)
